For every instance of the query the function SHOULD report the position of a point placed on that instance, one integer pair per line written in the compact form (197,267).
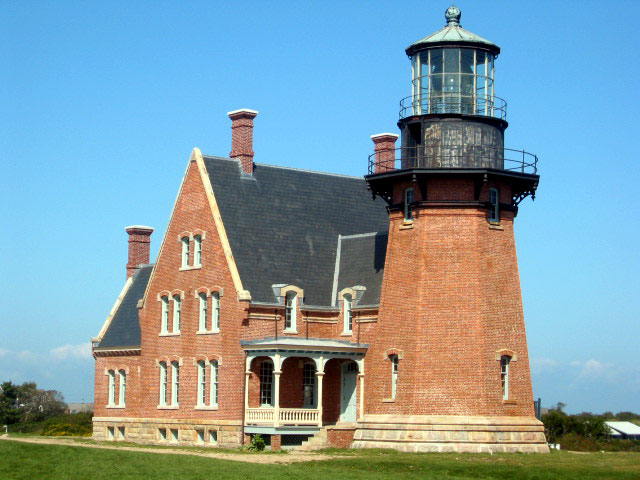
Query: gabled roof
(124,329)
(625,428)
(361,262)
(283,224)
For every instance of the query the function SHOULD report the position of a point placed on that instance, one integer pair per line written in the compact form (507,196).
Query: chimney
(242,137)
(385,144)
(139,247)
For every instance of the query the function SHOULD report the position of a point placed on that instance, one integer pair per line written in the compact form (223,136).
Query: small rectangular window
(162,433)
(408,200)
(197,254)
(200,436)
(121,433)
(111,433)
(213,436)
(494,213)
(174,435)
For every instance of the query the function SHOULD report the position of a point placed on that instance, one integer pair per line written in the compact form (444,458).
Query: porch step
(317,442)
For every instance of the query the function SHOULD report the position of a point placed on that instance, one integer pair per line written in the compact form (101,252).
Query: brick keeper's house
(330,310)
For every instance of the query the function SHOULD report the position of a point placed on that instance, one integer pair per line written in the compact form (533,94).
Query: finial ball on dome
(453,15)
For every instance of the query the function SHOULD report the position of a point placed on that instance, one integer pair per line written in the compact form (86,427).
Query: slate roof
(124,330)
(283,225)
(361,262)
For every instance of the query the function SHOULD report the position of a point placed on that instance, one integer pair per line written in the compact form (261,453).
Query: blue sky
(102,103)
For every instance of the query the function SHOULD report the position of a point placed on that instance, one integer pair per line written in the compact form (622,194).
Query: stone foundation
(202,433)
(435,433)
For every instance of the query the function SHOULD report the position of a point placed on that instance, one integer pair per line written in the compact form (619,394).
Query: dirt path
(292,457)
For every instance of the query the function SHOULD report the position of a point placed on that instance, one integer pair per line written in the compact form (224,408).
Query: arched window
(202,382)
(213,388)
(408,200)
(122,394)
(164,323)
(494,198)
(185,252)
(177,310)
(291,301)
(163,383)
(266,383)
(175,383)
(394,375)
(505,360)
(215,311)
(347,313)
(112,388)
(197,250)
(202,320)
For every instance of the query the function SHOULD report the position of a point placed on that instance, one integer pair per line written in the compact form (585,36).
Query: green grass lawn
(41,462)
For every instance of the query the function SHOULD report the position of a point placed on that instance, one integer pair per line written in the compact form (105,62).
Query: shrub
(257,443)
(66,430)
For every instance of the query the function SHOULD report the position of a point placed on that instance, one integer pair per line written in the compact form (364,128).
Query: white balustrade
(299,416)
(259,415)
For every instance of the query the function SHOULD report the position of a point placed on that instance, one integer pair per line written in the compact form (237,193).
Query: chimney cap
(380,135)
(138,227)
(240,111)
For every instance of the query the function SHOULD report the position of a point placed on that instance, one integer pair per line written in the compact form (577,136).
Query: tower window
(504,375)
(408,200)
(494,213)
(394,375)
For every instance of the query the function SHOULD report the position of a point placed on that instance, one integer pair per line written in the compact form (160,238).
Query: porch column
(276,385)
(247,374)
(361,409)
(319,377)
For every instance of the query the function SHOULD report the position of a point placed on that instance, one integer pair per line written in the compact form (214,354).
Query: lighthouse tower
(451,327)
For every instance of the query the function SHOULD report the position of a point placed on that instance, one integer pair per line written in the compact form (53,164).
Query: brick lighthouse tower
(451,324)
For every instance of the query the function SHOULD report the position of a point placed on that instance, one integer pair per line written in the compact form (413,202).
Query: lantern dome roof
(452,34)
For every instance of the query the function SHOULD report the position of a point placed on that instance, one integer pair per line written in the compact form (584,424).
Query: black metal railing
(453,156)
(453,102)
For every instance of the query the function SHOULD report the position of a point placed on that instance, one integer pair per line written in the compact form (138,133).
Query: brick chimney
(139,247)
(385,144)
(242,137)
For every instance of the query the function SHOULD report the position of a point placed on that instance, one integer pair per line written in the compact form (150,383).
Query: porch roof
(299,345)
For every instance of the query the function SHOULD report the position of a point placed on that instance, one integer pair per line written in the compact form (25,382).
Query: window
(408,200)
(348,314)
(213,394)
(266,383)
(112,388)
(177,307)
(121,433)
(215,311)
(290,311)
(394,375)
(175,383)
(309,382)
(202,326)
(163,434)
(123,388)
(504,375)
(174,435)
(163,383)
(494,213)
(213,436)
(200,436)
(197,253)
(111,433)
(164,324)
(202,382)
(185,252)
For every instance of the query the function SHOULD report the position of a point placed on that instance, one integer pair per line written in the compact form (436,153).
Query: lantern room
(453,72)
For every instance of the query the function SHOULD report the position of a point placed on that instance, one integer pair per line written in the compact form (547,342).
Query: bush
(80,422)
(257,443)
(66,430)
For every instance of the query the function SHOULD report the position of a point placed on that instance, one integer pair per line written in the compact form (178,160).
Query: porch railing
(286,416)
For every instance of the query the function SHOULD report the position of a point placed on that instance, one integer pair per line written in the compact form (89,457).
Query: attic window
(197,254)
(347,314)
(185,252)
(291,303)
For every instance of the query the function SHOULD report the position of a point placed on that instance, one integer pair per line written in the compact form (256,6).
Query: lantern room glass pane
(436,61)
(451,60)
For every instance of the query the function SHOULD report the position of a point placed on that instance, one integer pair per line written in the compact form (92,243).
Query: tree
(28,403)
(9,411)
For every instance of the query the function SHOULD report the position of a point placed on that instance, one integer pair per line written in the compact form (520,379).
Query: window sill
(116,406)
(167,407)
(169,334)
(406,225)
(346,334)
(509,402)
(495,226)
(388,400)
(206,407)
(207,332)
(290,332)
(186,269)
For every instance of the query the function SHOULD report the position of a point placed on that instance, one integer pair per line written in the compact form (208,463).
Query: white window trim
(505,360)
(202,312)
(197,251)
(177,314)
(215,312)
(164,322)
(202,383)
(347,314)
(175,384)
(184,254)
(214,383)
(395,365)
(163,385)
(111,401)
(122,388)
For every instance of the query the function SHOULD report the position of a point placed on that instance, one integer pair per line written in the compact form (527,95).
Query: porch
(297,385)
